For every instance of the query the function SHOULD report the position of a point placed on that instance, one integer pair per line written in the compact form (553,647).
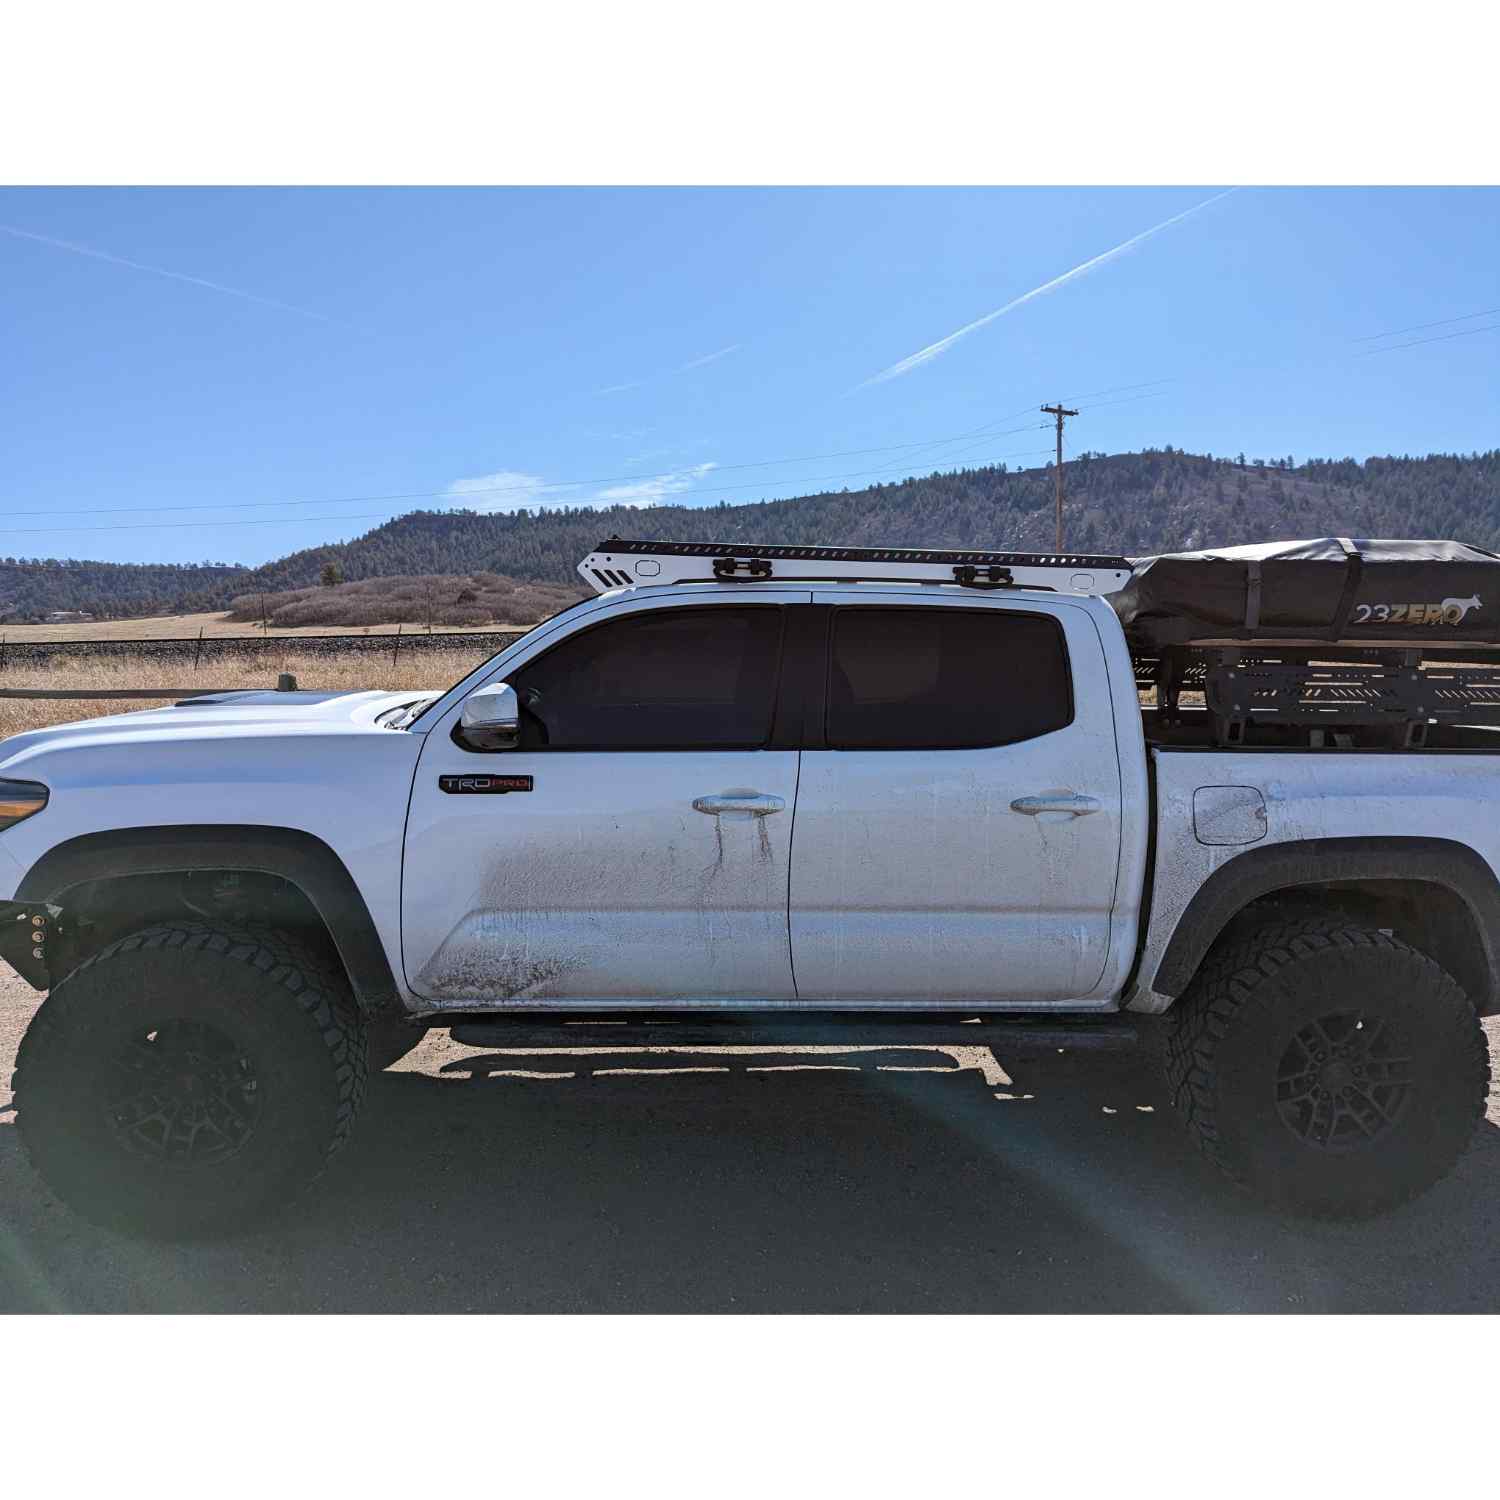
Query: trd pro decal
(484,784)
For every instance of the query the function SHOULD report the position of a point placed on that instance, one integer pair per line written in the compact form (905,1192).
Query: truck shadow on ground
(858,1190)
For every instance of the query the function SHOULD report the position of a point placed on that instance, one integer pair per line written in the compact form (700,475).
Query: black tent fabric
(1357,590)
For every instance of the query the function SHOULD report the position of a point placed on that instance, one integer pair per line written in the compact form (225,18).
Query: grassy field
(169,627)
(432,669)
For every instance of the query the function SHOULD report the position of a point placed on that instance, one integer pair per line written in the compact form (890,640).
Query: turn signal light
(19,799)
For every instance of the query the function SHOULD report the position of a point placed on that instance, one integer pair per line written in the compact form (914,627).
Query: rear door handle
(1073,803)
(739,804)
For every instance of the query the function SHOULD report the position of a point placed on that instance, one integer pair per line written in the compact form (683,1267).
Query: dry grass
(431,669)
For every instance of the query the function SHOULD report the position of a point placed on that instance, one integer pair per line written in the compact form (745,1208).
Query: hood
(251,714)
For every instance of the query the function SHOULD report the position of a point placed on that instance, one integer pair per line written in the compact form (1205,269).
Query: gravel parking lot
(491,1183)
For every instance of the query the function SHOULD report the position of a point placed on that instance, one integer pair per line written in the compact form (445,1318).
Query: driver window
(673,679)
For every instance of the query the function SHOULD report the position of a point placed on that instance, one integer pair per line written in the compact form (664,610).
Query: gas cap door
(1229,815)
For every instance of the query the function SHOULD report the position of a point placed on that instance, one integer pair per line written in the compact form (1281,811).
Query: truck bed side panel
(1313,796)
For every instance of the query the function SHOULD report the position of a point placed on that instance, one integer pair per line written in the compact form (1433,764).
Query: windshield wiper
(403,720)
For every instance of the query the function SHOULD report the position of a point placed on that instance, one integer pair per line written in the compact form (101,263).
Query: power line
(915,447)
(1437,338)
(1124,400)
(382,515)
(919,446)
(1109,390)
(1418,327)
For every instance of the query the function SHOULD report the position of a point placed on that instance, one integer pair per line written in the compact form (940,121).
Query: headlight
(19,799)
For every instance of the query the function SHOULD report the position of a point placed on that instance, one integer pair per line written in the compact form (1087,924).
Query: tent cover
(1355,590)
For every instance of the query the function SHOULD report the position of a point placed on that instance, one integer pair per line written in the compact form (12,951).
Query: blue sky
(485,346)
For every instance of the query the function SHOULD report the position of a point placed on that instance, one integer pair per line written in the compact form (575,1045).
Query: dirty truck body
(720,798)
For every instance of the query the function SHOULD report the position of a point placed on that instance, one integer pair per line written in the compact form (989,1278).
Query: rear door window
(938,678)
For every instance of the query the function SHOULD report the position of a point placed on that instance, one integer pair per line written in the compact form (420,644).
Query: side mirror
(491,718)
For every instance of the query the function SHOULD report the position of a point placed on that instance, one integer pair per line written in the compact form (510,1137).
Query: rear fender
(1340,867)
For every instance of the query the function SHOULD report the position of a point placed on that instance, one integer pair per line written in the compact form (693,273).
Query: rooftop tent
(1355,590)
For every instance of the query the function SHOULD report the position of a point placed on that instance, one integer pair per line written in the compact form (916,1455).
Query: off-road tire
(1255,1003)
(275,1020)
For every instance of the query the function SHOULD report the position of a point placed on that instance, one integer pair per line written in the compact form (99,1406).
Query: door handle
(1073,803)
(739,804)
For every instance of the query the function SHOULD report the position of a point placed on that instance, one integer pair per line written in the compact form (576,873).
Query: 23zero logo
(1449,612)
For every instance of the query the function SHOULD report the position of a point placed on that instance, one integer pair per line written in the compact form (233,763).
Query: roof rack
(619,563)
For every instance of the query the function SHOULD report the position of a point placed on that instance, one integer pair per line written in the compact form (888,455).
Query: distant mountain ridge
(1154,501)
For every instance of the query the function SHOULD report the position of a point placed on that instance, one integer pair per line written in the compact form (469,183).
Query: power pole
(1059,411)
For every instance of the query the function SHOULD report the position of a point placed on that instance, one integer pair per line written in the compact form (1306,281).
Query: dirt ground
(480,1182)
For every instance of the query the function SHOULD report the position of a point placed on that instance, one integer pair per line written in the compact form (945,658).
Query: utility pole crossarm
(1059,411)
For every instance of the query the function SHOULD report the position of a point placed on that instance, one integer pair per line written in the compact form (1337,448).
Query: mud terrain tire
(1331,1069)
(186,1079)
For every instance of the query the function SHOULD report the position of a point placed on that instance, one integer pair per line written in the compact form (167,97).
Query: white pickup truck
(747,791)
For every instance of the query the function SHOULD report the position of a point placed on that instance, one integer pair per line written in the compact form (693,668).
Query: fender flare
(301,859)
(1304,863)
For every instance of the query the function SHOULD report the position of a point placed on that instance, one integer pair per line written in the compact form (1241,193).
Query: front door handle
(1074,804)
(739,804)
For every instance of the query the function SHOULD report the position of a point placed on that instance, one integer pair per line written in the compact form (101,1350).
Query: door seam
(791,852)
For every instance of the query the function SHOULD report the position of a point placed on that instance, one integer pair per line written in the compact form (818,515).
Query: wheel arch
(1441,896)
(301,860)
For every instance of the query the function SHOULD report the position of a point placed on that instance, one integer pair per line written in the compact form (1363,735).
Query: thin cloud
(625,385)
(511,489)
(708,359)
(136,265)
(506,489)
(931,352)
(653,490)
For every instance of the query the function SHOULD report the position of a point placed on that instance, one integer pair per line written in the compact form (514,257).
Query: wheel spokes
(183,1092)
(1341,1082)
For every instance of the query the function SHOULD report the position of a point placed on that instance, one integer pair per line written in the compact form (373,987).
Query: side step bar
(802,1029)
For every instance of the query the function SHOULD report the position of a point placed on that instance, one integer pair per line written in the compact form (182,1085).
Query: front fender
(299,858)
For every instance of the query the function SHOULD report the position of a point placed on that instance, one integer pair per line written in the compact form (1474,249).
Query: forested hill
(30,588)
(1135,503)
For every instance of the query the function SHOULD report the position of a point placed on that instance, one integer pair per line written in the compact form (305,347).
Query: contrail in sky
(692,364)
(135,265)
(708,359)
(932,351)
